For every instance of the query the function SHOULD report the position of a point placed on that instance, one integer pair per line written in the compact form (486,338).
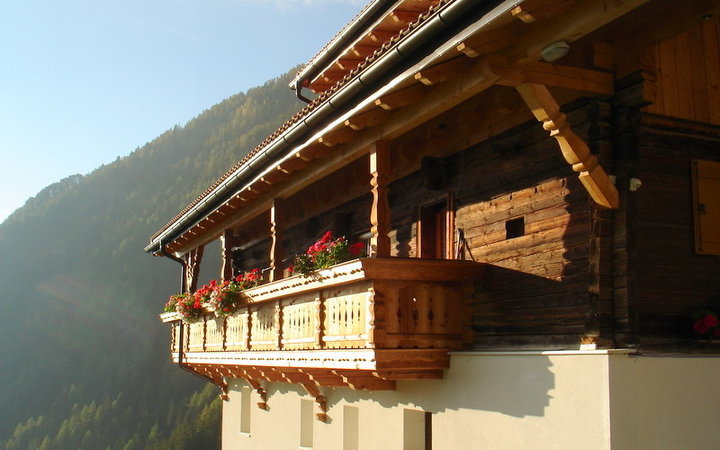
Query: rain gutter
(443,21)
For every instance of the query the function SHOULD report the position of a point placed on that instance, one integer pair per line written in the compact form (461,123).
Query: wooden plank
(683,79)
(585,17)
(711,39)
(668,72)
(698,81)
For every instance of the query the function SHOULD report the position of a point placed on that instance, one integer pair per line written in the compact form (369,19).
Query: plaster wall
(497,401)
(665,402)
(530,400)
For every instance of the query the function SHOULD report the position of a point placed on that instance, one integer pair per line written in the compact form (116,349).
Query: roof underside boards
(434,60)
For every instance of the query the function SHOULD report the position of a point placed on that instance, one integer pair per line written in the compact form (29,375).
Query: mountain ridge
(84,345)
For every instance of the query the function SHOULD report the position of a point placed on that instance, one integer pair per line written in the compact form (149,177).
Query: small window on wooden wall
(436,226)
(706,206)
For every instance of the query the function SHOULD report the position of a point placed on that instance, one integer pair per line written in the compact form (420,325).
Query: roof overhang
(410,68)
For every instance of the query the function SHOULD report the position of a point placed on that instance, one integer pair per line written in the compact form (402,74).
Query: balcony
(361,324)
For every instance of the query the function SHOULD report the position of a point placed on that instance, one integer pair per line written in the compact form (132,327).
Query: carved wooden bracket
(574,149)
(311,387)
(255,384)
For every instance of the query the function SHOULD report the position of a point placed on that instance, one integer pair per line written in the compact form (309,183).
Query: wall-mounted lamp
(555,51)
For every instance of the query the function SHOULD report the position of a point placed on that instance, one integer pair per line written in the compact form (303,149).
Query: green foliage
(84,356)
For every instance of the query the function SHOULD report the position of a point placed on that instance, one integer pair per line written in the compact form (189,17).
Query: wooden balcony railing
(373,314)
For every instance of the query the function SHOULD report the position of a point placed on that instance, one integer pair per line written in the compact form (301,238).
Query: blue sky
(85,81)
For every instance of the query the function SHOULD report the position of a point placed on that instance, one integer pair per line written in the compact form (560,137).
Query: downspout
(182,262)
(298,90)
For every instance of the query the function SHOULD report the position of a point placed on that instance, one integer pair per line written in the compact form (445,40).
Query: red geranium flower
(356,249)
(710,321)
(700,327)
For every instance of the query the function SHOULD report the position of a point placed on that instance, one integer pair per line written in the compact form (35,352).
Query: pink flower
(327,237)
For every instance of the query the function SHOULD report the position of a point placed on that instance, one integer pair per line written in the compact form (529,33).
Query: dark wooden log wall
(662,119)
(550,287)
(668,280)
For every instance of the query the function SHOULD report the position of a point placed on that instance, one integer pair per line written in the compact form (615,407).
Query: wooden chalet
(537,186)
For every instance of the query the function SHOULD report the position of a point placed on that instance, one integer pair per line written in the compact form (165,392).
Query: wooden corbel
(574,149)
(255,384)
(320,399)
(311,388)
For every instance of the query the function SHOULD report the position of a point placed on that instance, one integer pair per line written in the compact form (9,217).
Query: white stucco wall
(560,400)
(665,403)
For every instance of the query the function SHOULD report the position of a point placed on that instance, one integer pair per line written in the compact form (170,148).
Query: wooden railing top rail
(396,269)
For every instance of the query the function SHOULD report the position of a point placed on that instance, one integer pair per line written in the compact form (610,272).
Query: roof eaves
(298,117)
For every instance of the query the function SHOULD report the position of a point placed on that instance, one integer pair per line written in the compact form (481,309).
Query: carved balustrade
(370,314)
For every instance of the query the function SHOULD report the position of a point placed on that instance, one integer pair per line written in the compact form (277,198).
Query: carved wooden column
(574,149)
(380,210)
(277,252)
(193,259)
(227,242)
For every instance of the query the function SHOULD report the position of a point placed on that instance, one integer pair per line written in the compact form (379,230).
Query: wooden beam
(347,63)
(490,41)
(371,118)
(554,75)
(404,17)
(401,98)
(575,150)
(337,136)
(443,71)
(380,35)
(533,10)
(363,51)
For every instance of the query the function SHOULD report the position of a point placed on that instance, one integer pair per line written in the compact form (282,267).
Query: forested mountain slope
(84,357)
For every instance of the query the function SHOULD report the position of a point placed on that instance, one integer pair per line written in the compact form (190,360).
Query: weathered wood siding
(549,287)
(688,74)
(541,288)
(671,280)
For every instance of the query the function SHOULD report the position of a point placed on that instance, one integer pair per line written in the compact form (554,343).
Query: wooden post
(227,241)
(277,252)
(575,150)
(193,259)
(380,210)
